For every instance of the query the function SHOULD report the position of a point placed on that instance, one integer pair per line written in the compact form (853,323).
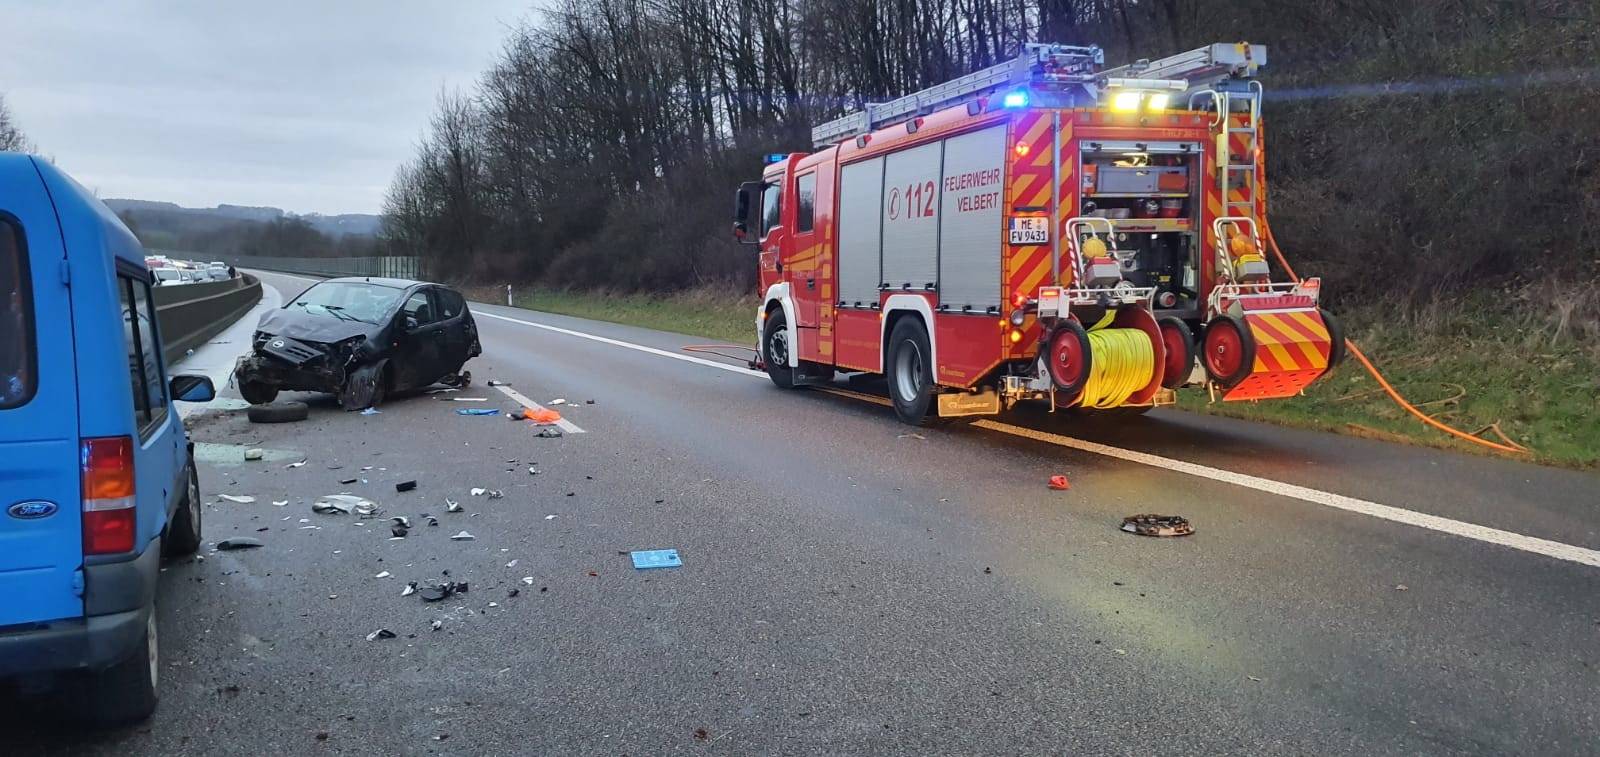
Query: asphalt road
(853,586)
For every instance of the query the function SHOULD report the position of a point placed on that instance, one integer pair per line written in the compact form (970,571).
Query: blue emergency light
(1015,99)
(776,157)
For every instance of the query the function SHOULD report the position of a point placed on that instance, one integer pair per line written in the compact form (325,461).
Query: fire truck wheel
(1179,341)
(775,350)
(910,371)
(1336,348)
(1230,351)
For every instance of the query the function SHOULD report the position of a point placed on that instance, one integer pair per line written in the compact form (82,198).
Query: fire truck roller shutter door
(911,189)
(860,232)
(970,219)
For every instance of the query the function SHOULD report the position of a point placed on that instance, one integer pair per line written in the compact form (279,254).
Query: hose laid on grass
(1509,446)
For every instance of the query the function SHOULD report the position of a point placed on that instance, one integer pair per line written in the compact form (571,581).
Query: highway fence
(391,266)
(190,314)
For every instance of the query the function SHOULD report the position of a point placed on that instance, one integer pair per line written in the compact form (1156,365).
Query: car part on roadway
(280,412)
(1150,524)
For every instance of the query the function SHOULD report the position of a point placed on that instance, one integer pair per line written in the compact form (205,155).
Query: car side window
(17,363)
(806,199)
(130,338)
(419,308)
(450,303)
(155,384)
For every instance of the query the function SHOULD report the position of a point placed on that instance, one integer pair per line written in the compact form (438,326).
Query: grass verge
(1469,365)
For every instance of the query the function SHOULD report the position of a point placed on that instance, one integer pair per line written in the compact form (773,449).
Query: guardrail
(189,314)
(391,266)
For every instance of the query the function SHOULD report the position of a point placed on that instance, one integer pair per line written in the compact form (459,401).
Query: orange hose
(1510,446)
(713,349)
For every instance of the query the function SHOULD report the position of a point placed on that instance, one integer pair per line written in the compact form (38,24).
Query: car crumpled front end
(347,367)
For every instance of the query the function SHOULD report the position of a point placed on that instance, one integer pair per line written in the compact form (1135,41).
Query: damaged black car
(362,339)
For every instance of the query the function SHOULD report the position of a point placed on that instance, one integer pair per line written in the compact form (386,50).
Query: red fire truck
(1044,229)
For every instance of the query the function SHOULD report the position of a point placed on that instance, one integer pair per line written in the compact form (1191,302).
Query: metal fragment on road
(496,494)
(401,521)
(411,588)
(295,465)
(527,580)
(398,531)
(432,521)
(450,506)
(382,633)
(384,574)
(348,481)
(511,564)
(238,542)
(242,499)
(344,504)
(463,536)
(655,558)
(1150,524)
(549,517)
(280,502)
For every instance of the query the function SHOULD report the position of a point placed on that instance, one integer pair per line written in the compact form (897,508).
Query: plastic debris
(399,531)
(382,633)
(464,399)
(549,517)
(527,580)
(340,504)
(450,506)
(411,588)
(478,411)
(405,486)
(279,502)
(295,465)
(532,471)
(462,536)
(1150,524)
(255,453)
(912,436)
(440,592)
(549,433)
(494,604)
(238,542)
(478,491)
(384,574)
(493,382)
(511,564)
(496,494)
(348,481)
(436,625)
(401,521)
(656,558)
(1060,483)
(558,401)
(239,499)
(432,521)
(371,411)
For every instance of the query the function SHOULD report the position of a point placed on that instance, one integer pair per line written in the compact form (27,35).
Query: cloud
(306,106)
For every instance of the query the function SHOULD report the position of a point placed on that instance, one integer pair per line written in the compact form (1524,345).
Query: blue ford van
(97,476)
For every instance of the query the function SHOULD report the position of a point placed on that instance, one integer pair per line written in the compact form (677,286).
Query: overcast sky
(305,106)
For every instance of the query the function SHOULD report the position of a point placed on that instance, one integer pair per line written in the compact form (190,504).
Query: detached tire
(125,693)
(910,371)
(281,412)
(775,350)
(183,533)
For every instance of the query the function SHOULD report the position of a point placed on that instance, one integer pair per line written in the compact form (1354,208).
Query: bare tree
(11,136)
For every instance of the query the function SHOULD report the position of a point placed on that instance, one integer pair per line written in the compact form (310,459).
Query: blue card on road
(656,558)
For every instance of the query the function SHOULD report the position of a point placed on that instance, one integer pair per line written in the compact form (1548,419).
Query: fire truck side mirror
(747,199)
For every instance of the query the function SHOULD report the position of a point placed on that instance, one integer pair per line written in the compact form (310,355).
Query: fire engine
(1044,229)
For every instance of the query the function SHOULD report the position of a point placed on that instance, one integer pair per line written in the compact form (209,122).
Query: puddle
(233,454)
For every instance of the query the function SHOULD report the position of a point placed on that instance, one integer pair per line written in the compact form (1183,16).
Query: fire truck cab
(1044,229)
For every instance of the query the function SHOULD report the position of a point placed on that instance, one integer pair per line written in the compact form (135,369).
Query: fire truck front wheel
(775,350)
(910,371)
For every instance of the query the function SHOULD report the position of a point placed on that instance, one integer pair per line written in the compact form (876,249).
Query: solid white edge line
(1531,544)
(563,424)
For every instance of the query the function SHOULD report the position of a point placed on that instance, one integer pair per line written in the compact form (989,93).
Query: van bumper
(121,595)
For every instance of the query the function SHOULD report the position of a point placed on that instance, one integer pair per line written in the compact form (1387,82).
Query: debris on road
(436,625)
(295,465)
(405,486)
(254,453)
(1150,524)
(348,481)
(411,588)
(558,401)
(656,558)
(341,504)
(432,521)
(382,633)
(496,494)
(238,542)
(440,592)
(462,399)
(279,502)
(371,411)
(478,491)
(532,471)
(549,517)
(511,564)
(540,417)
(450,506)
(399,531)
(239,499)
(527,580)
(463,536)
(912,436)
(478,411)
(1060,483)
(401,521)
(493,382)
(384,574)
(549,433)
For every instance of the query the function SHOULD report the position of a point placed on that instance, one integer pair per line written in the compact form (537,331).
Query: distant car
(97,475)
(360,338)
(165,276)
(218,272)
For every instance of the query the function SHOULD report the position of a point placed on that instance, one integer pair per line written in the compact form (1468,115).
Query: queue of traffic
(167,271)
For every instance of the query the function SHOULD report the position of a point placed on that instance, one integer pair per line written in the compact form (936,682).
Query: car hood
(310,327)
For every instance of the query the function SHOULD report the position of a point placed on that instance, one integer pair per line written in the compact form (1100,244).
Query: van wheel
(910,371)
(183,533)
(775,349)
(125,693)
(257,393)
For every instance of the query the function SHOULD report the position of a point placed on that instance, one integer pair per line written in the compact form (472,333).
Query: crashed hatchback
(360,338)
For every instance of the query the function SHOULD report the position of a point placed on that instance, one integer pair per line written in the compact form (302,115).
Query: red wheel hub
(1066,357)
(1177,352)
(1224,349)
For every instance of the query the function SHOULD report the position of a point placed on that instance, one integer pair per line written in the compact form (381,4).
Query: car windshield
(349,300)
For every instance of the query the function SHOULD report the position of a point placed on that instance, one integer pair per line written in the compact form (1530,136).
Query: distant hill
(176,220)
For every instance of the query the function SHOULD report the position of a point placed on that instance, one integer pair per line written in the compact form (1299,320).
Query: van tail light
(109,517)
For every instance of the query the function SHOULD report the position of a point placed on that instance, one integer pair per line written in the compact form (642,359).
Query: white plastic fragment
(463,536)
(478,491)
(511,564)
(279,502)
(240,499)
(384,574)
(295,465)
(527,580)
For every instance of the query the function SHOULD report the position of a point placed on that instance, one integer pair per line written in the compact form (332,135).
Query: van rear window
(18,377)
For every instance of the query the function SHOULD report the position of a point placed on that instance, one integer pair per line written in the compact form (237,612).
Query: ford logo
(32,510)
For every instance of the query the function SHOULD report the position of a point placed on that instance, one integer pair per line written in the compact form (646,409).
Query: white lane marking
(628,345)
(563,424)
(1531,544)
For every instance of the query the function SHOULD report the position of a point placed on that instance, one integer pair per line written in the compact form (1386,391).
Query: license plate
(1030,230)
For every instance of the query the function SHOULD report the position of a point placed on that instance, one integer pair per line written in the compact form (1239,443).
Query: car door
(422,340)
(457,334)
(41,541)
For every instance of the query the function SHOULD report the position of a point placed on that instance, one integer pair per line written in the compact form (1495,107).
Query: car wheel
(281,412)
(910,371)
(257,393)
(183,533)
(775,350)
(125,693)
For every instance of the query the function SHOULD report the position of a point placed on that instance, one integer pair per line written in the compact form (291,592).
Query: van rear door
(41,541)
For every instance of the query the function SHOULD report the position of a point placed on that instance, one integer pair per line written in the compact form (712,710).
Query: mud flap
(360,387)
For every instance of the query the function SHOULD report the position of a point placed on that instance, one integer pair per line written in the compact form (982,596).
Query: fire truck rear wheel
(1179,343)
(910,371)
(775,350)
(1336,348)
